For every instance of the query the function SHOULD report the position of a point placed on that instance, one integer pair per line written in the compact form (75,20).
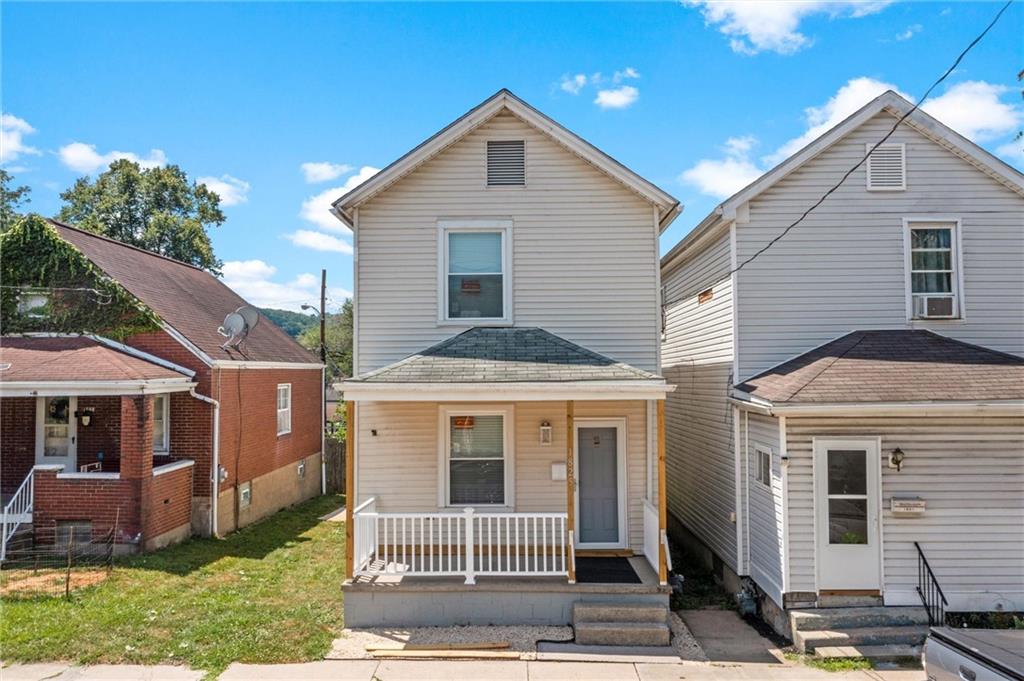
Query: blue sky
(699,98)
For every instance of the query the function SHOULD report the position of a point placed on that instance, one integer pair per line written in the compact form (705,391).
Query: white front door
(56,432)
(847,490)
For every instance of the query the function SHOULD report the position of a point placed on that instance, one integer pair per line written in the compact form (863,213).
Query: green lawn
(269,593)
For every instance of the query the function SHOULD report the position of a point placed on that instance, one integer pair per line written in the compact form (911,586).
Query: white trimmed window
(284,408)
(764,466)
(475,264)
(933,270)
(476,457)
(161,424)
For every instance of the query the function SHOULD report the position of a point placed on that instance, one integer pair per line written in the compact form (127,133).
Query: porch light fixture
(896,459)
(84,415)
(545,433)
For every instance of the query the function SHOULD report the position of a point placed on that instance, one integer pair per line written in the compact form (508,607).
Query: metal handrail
(21,503)
(928,589)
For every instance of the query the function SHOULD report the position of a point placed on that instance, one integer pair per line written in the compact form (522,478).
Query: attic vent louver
(887,168)
(506,163)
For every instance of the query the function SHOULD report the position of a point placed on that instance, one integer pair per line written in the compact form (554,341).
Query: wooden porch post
(662,504)
(570,487)
(350,484)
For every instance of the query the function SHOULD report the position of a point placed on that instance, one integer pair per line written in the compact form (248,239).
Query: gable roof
(889,102)
(190,300)
(77,358)
(506,355)
(891,366)
(503,100)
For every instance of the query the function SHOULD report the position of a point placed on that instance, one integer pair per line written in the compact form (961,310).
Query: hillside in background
(293,323)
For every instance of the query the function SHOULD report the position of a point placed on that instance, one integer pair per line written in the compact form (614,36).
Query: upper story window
(933,270)
(161,421)
(475,266)
(284,408)
(887,167)
(506,163)
(34,303)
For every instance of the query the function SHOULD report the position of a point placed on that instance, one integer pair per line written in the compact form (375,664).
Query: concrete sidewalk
(438,670)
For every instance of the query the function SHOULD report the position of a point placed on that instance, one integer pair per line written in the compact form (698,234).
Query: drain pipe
(323,430)
(215,467)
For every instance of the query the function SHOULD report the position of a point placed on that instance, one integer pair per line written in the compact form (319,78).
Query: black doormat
(605,571)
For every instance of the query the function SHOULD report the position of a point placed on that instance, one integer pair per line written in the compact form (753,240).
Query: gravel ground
(521,639)
(683,641)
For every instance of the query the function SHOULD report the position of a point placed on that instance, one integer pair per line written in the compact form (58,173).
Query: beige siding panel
(843,267)
(969,470)
(697,355)
(765,502)
(399,466)
(584,251)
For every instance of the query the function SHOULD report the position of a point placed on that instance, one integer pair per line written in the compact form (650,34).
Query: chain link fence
(57,561)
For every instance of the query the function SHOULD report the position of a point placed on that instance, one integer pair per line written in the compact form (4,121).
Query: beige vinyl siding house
(507,400)
(890,320)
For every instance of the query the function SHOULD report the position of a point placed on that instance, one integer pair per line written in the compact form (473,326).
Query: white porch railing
(16,511)
(464,544)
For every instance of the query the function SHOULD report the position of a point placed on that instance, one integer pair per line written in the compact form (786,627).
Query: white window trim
(959,299)
(867,167)
(767,451)
(278,410)
(507,412)
(526,164)
(164,448)
(444,228)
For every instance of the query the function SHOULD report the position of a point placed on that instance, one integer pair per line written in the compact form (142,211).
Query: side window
(763,461)
(284,408)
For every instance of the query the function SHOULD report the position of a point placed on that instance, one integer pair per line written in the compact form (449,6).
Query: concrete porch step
(892,651)
(849,601)
(622,634)
(818,619)
(810,641)
(573,652)
(585,611)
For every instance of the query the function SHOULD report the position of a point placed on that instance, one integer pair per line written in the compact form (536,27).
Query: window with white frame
(933,270)
(284,408)
(475,261)
(477,457)
(161,424)
(764,466)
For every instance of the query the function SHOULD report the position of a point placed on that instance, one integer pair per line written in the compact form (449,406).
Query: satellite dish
(237,325)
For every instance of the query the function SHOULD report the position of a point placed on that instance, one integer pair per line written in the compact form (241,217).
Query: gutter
(990,407)
(215,465)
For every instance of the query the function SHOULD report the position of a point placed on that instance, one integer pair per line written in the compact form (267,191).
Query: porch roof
(891,366)
(83,365)
(500,363)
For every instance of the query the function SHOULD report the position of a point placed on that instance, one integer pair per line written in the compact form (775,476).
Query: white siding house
(890,319)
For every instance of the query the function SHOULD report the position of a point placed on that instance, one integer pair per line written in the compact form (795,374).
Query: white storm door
(56,432)
(847,490)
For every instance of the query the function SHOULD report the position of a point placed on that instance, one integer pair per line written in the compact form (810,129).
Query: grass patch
(269,593)
(831,664)
(700,590)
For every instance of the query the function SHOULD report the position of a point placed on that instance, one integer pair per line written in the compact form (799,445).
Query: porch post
(570,488)
(350,484)
(662,504)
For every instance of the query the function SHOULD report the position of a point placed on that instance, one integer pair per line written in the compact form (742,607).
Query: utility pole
(323,315)
(323,380)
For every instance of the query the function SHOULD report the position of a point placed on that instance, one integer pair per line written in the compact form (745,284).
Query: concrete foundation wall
(270,493)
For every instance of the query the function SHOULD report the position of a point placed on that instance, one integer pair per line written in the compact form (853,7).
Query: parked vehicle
(974,654)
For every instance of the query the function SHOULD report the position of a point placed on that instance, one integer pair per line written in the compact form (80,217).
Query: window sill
(283,433)
(470,322)
(481,508)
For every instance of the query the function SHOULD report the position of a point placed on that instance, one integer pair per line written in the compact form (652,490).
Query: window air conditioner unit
(934,307)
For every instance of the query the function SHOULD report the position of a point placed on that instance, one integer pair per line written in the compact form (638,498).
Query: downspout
(215,466)
(323,430)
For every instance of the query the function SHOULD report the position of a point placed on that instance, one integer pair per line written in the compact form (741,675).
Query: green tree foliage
(292,323)
(157,209)
(338,334)
(75,296)
(11,200)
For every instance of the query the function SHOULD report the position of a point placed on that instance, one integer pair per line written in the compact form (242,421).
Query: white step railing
(464,544)
(16,510)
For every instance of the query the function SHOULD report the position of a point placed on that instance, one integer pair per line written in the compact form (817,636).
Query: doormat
(605,571)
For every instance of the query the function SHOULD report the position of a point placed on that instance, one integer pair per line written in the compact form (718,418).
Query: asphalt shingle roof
(74,358)
(506,355)
(892,366)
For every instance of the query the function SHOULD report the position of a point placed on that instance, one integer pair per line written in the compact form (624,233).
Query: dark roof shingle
(892,366)
(506,355)
(74,358)
(191,300)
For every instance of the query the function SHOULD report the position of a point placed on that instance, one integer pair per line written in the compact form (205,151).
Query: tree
(292,323)
(338,339)
(157,209)
(11,200)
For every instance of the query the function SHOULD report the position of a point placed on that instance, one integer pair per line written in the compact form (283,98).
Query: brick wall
(172,503)
(103,502)
(161,344)
(17,440)
(103,434)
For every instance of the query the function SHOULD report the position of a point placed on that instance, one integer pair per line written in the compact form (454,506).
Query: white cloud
(758,25)
(317,209)
(724,177)
(1013,152)
(84,158)
(321,171)
(573,84)
(231,190)
(910,32)
(319,241)
(628,72)
(619,98)
(12,138)
(253,280)
(975,110)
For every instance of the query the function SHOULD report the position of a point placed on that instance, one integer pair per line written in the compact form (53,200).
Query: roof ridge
(832,363)
(973,346)
(126,245)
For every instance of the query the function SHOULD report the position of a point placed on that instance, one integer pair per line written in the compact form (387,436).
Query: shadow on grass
(281,530)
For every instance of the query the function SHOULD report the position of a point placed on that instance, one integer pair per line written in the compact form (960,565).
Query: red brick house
(97,431)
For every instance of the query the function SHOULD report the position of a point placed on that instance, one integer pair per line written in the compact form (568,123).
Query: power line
(861,162)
